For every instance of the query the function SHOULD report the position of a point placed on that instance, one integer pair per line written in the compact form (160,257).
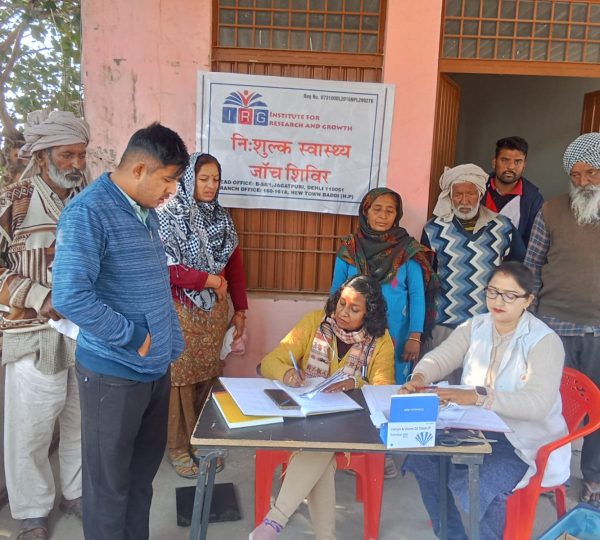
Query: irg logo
(245,108)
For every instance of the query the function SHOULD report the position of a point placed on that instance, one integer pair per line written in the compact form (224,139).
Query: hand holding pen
(295,376)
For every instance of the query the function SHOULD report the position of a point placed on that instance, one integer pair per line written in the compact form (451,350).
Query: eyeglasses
(593,174)
(508,297)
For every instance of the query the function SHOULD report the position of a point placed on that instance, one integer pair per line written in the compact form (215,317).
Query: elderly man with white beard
(469,241)
(564,255)
(40,386)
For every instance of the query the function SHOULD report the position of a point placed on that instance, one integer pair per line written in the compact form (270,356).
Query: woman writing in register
(514,363)
(350,335)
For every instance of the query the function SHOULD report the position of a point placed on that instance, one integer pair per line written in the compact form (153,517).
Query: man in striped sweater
(469,241)
(40,379)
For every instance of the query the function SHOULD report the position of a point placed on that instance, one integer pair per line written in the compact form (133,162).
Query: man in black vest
(508,192)
(564,255)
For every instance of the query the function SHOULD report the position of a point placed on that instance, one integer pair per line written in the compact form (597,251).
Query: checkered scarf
(359,355)
(585,149)
(199,235)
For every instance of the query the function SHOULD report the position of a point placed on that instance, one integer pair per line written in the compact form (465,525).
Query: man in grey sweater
(564,255)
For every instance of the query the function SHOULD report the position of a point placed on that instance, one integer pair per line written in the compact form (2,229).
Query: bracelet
(355,381)
(220,281)
(242,314)
(413,339)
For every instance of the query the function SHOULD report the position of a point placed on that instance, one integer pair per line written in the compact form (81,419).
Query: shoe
(267,530)
(389,468)
(33,529)
(184,465)
(71,507)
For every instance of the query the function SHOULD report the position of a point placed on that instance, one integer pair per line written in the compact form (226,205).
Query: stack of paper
(378,400)
(250,397)
(235,418)
(314,385)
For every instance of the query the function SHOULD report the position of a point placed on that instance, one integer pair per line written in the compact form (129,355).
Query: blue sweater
(110,278)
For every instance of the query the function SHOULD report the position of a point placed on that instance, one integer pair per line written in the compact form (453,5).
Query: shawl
(199,235)
(359,355)
(43,131)
(461,173)
(585,149)
(381,254)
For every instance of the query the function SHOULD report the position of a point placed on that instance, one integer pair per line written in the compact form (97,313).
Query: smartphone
(281,398)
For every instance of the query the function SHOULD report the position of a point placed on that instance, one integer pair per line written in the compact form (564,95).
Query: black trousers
(124,434)
(583,354)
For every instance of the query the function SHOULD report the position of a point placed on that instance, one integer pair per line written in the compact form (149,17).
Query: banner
(295,144)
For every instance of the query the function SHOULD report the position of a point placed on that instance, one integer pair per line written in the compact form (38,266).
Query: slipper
(587,494)
(33,529)
(184,465)
(196,453)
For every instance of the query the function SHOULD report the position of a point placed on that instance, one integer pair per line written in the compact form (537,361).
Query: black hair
(512,143)
(203,159)
(160,143)
(519,272)
(375,321)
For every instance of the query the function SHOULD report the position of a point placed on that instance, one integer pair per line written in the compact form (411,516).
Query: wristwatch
(482,393)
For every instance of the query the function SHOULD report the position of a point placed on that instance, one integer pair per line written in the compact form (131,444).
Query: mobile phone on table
(281,398)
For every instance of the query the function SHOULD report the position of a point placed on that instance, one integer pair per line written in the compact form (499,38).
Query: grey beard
(585,203)
(66,180)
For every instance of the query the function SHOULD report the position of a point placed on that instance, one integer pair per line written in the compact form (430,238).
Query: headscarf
(199,235)
(585,149)
(44,131)
(461,173)
(380,254)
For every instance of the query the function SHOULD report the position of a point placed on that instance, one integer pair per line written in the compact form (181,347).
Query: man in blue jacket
(508,192)
(111,280)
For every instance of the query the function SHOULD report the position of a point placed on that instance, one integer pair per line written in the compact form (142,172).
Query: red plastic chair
(580,398)
(369,483)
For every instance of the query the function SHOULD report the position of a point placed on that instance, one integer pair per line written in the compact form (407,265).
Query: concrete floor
(402,516)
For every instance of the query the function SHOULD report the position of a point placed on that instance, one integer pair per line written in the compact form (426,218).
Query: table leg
(443,498)
(472,462)
(204,490)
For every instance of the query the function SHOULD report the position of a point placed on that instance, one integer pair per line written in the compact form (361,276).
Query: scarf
(199,235)
(380,254)
(359,355)
(585,149)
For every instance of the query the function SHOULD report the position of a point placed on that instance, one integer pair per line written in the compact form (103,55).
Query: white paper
(379,398)
(249,395)
(65,327)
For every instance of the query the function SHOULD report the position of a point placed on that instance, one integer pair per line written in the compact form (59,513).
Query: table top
(344,431)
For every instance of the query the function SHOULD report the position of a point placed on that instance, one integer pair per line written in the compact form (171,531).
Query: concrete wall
(546,111)
(140,61)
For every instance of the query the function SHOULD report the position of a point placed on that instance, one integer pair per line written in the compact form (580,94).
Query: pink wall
(411,63)
(140,61)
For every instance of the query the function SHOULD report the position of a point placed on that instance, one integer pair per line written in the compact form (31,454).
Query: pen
(294,363)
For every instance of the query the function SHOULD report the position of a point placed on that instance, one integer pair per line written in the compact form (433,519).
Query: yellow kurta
(299,341)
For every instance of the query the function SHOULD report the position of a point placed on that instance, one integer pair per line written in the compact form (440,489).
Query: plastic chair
(369,483)
(580,398)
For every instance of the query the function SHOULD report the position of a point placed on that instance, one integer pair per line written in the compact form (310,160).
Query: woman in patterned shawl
(384,250)
(201,244)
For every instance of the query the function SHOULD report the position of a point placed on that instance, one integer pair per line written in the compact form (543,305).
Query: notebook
(235,418)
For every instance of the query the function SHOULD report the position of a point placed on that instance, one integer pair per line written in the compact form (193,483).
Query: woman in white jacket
(512,363)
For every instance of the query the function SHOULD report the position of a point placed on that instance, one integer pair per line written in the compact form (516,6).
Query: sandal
(590,495)
(196,453)
(33,529)
(184,465)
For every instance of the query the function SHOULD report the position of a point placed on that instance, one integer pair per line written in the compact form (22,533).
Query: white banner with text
(295,144)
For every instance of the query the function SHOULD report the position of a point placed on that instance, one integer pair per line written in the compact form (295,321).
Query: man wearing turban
(40,386)
(564,256)
(469,241)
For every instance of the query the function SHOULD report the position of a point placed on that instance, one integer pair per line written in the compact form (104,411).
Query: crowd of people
(116,309)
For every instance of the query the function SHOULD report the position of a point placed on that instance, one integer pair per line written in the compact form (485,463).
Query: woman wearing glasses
(512,363)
